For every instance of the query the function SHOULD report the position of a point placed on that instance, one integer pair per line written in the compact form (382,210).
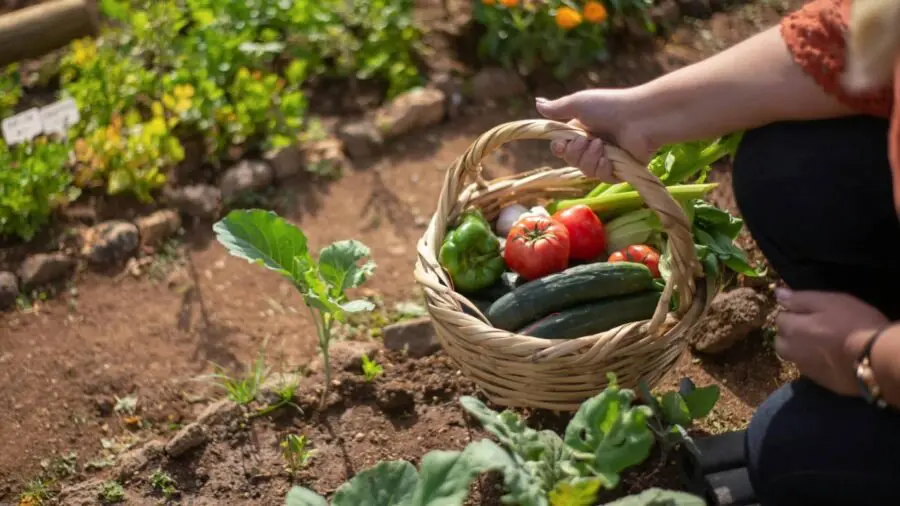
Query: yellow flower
(595,12)
(83,51)
(510,3)
(567,18)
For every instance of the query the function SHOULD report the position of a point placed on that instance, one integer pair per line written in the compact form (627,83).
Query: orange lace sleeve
(814,35)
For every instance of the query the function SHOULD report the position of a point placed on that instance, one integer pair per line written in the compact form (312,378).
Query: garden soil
(69,366)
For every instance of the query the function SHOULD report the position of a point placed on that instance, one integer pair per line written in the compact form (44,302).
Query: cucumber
(566,289)
(508,282)
(594,317)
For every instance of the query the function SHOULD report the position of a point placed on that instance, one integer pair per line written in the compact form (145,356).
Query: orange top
(815,37)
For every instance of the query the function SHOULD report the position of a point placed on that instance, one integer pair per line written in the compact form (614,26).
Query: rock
(416,336)
(199,200)
(411,110)
(136,460)
(285,162)
(496,83)
(43,268)
(84,493)
(110,242)
(361,139)
(9,289)
(730,318)
(188,438)
(346,356)
(244,176)
(325,157)
(220,412)
(157,227)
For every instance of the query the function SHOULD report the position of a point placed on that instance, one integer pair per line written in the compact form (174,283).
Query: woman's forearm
(753,83)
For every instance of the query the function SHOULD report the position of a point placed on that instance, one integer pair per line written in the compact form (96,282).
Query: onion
(539,211)
(508,216)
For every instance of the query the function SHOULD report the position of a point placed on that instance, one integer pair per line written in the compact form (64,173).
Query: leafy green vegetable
(659,497)
(715,231)
(443,481)
(674,411)
(264,238)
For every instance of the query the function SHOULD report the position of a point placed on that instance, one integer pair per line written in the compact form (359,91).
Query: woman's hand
(823,333)
(603,113)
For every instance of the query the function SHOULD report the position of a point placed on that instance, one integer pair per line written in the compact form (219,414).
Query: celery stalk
(611,205)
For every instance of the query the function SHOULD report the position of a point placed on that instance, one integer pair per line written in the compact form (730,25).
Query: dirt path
(63,366)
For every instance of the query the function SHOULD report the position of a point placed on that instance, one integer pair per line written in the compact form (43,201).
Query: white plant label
(58,117)
(22,127)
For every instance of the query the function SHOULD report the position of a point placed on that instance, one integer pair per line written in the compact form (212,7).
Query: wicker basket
(523,371)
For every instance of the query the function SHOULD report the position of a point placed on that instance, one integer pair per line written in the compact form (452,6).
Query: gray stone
(416,336)
(285,162)
(199,200)
(188,438)
(325,157)
(414,109)
(157,227)
(730,318)
(43,268)
(84,493)
(244,176)
(136,460)
(495,83)
(361,139)
(9,289)
(110,242)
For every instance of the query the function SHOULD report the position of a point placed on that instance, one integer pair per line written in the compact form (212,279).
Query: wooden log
(35,31)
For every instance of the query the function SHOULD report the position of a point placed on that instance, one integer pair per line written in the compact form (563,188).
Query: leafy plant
(606,436)
(10,90)
(35,493)
(34,181)
(112,492)
(560,34)
(295,452)
(370,368)
(263,238)
(164,483)
(284,395)
(675,412)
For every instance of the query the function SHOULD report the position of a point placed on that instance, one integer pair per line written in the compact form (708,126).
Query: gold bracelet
(865,376)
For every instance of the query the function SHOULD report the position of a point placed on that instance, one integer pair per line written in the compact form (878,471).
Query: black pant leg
(817,198)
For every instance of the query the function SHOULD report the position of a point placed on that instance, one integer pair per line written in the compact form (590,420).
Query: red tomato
(537,246)
(638,253)
(587,237)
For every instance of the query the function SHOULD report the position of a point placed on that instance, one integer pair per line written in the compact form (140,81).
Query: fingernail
(782,294)
(557,147)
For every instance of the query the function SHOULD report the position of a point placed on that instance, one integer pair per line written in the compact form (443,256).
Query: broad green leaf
(445,476)
(659,497)
(385,484)
(700,401)
(339,264)
(580,492)
(299,496)
(675,409)
(264,238)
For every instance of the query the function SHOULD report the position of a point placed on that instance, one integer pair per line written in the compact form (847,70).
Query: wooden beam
(35,31)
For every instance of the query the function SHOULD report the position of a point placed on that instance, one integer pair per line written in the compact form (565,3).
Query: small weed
(101,463)
(35,493)
(295,452)
(126,405)
(284,395)
(167,256)
(242,390)
(164,483)
(370,368)
(112,492)
(60,467)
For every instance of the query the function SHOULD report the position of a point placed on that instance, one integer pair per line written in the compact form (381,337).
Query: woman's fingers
(588,155)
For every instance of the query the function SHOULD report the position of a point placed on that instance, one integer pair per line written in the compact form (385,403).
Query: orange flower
(510,3)
(595,12)
(567,18)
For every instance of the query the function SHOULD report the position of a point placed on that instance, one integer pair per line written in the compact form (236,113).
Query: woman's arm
(884,360)
(751,84)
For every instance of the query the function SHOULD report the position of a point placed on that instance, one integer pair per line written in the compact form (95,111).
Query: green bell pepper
(471,254)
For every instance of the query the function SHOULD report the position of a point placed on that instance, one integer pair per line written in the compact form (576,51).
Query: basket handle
(684,265)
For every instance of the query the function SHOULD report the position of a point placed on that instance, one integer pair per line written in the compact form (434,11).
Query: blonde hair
(873,44)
